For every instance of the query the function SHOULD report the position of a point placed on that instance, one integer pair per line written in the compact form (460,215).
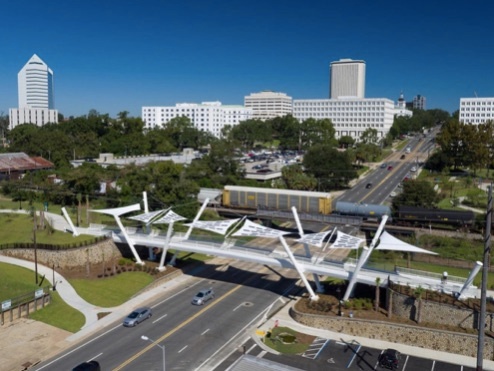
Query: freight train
(418,216)
(277,199)
(253,198)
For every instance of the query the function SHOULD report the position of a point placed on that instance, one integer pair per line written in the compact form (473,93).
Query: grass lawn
(288,341)
(18,228)
(16,281)
(60,314)
(111,291)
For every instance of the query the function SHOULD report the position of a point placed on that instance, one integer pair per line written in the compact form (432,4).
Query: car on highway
(383,165)
(368,185)
(390,359)
(137,316)
(88,366)
(413,169)
(402,157)
(203,296)
(390,168)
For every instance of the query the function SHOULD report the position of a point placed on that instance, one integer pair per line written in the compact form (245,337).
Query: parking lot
(338,356)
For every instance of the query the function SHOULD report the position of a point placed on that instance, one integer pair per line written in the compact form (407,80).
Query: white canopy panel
(346,241)
(315,239)
(117,211)
(251,229)
(169,217)
(216,226)
(146,217)
(388,242)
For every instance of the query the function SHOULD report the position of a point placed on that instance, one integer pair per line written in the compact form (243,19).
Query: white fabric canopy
(146,217)
(346,241)
(251,229)
(315,239)
(169,217)
(388,242)
(216,226)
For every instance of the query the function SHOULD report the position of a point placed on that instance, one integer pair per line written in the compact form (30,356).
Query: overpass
(316,263)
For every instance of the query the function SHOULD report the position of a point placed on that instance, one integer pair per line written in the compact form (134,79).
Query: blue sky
(121,55)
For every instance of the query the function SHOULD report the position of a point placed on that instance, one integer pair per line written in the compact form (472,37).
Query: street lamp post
(160,346)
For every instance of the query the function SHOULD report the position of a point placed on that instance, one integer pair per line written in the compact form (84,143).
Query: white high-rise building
(266,105)
(350,116)
(347,79)
(476,111)
(207,116)
(36,96)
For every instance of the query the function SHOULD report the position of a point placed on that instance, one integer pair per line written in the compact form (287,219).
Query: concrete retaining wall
(445,341)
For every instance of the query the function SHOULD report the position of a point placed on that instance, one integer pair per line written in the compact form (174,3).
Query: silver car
(137,316)
(203,296)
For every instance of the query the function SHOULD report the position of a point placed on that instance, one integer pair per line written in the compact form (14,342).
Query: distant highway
(380,183)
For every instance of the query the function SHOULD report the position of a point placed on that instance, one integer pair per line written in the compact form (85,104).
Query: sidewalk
(283,318)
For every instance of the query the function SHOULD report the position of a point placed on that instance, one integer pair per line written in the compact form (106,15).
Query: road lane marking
(238,306)
(181,350)
(171,332)
(96,356)
(158,319)
(242,330)
(205,331)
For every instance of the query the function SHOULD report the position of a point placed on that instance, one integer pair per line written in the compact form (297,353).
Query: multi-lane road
(377,187)
(193,336)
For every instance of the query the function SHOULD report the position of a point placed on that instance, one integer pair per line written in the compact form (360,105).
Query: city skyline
(117,56)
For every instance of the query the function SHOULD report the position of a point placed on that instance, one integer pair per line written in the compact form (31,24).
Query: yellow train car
(277,199)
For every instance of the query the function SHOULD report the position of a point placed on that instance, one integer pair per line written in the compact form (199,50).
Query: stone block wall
(407,307)
(445,341)
(103,251)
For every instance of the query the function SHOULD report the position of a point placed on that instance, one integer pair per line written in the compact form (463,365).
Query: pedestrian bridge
(315,263)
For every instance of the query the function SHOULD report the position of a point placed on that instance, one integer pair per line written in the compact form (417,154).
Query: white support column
(470,278)
(146,210)
(363,258)
(199,213)
(75,232)
(145,201)
(169,232)
(319,288)
(128,239)
(313,296)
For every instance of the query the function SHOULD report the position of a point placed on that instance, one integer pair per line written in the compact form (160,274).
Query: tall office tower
(35,84)
(36,98)
(419,102)
(268,104)
(347,79)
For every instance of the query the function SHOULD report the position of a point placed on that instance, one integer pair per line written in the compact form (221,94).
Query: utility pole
(35,248)
(483,290)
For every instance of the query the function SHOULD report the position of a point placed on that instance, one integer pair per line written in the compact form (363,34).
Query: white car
(413,169)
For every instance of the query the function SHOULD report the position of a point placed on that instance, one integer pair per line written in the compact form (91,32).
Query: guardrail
(438,276)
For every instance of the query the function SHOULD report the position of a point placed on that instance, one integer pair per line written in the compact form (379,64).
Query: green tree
(316,132)
(418,193)
(294,177)
(369,136)
(333,169)
(346,141)
(287,130)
